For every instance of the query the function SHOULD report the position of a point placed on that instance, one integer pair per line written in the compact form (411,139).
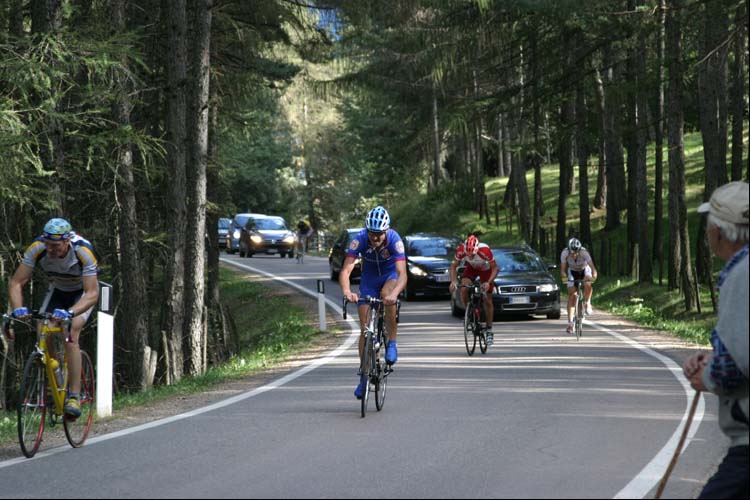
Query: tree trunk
(176,146)
(615,168)
(641,180)
(658,252)
(680,269)
(196,219)
(437,169)
(564,154)
(739,77)
(600,198)
(132,320)
(582,151)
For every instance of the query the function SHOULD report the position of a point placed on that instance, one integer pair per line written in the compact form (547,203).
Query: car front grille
(509,289)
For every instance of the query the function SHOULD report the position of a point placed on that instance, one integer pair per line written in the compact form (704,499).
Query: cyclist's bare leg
(390,311)
(73,351)
(572,296)
(362,310)
(489,309)
(588,290)
(465,291)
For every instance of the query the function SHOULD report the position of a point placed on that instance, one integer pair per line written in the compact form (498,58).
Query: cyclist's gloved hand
(21,312)
(61,314)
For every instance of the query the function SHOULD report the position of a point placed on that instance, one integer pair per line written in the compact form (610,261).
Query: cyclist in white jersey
(72,269)
(576,264)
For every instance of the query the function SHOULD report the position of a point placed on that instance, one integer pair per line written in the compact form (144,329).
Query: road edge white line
(652,472)
(226,402)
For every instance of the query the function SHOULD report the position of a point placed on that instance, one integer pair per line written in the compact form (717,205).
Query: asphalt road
(541,415)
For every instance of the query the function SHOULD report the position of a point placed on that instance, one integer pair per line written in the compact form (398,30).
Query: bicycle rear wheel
(469,327)
(32,407)
(77,428)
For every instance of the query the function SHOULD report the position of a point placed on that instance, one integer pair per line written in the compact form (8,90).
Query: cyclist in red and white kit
(479,262)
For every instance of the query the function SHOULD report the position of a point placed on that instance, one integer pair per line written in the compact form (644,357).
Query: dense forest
(142,122)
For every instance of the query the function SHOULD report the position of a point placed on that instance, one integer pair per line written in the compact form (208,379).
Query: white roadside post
(105,336)
(322,306)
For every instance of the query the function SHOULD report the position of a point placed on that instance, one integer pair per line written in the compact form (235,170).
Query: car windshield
(270,224)
(517,261)
(432,247)
(241,220)
(224,223)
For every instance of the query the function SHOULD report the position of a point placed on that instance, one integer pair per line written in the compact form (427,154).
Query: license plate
(442,278)
(523,299)
(271,250)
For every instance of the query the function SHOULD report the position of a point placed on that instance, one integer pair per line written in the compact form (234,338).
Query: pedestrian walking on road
(724,371)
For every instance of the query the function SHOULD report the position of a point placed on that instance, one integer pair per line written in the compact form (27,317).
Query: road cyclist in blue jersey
(383,275)
(72,270)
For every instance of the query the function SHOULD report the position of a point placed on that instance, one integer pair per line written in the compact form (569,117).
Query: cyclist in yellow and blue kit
(383,276)
(71,266)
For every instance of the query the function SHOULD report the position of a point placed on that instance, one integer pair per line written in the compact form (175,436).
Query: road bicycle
(580,309)
(299,252)
(44,385)
(474,332)
(373,367)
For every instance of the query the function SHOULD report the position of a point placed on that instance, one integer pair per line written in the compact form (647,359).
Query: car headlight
(256,238)
(289,239)
(416,270)
(550,287)
(236,234)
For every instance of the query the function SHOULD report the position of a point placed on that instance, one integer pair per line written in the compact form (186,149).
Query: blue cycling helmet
(378,219)
(57,230)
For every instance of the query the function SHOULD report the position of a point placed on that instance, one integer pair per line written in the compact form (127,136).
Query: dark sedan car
(428,260)
(267,234)
(338,253)
(524,285)
(224,224)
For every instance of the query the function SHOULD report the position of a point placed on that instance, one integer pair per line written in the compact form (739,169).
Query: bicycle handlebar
(368,300)
(33,315)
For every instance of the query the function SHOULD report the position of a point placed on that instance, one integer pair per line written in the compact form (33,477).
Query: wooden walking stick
(677,451)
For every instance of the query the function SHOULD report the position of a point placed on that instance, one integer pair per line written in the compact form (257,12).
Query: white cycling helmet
(574,245)
(378,219)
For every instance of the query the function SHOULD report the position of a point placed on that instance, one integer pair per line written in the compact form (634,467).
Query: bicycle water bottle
(59,374)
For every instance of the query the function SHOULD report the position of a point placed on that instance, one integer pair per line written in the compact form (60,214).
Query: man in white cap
(724,371)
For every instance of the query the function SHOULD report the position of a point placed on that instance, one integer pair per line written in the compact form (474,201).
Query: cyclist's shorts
(578,275)
(60,299)
(370,286)
(472,273)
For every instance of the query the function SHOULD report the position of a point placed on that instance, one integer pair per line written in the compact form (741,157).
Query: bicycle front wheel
(364,368)
(579,319)
(77,428)
(32,407)
(381,380)
(469,338)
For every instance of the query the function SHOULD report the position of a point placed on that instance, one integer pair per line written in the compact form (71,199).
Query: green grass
(269,330)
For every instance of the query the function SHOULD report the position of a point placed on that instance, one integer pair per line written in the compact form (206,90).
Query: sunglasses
(375,233)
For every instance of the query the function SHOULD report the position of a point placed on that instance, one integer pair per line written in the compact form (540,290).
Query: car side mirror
(551,267)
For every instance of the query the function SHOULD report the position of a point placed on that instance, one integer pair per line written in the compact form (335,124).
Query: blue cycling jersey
(380,261)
